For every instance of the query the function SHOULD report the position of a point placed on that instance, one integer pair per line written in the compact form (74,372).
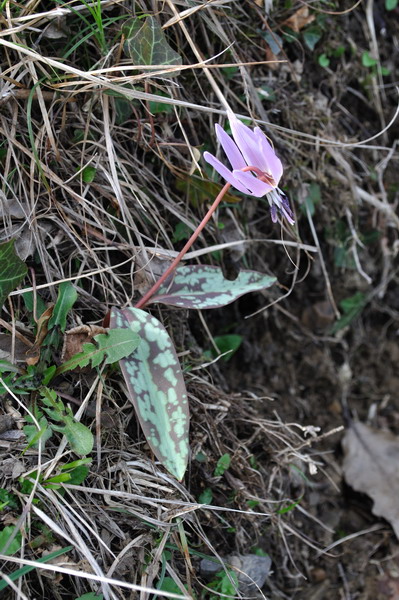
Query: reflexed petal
(246,141)
(232,152)
(257,187)
(271,163)
(224,172)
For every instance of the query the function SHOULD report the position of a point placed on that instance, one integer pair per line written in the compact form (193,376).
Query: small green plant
(206,496)
(7,499)
(225,584)
(373,65)
(351,307)
(78,435)
(74,473)
(95,27)
(222,465)
(10,547)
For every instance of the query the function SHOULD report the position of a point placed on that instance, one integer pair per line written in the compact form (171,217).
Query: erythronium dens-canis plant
(152,372)
(147,356)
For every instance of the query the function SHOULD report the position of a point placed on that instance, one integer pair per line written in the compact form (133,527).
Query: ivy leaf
(111,347)
(203,286)
(312,35)
(157,390)
(146,44)
(79,437)
(12,270)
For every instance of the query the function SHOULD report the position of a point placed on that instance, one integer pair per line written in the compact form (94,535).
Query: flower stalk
(256,171)
(144,300)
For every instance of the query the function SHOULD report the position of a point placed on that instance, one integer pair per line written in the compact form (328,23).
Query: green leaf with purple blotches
(203,286)
(156,388)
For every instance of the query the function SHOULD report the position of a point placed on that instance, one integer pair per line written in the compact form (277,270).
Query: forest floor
(102,176)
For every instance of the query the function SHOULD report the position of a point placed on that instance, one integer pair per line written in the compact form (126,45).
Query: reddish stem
(143,301)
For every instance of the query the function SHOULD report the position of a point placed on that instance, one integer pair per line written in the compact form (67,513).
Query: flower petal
(224,172)
(246,141)
(232,152)
(272,164)
(257,187)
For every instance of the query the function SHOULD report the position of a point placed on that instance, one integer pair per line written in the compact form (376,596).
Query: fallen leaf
(5,348)
(299,19)
(371,466)
(148,269)
(33,354)
(76,337)
(6,423)
(12,208)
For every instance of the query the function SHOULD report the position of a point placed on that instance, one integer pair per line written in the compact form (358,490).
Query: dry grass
(68,102)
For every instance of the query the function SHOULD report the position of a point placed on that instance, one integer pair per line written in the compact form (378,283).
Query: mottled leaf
(146,43)
(111,347)
(12,270)
(203,286)
(156,387)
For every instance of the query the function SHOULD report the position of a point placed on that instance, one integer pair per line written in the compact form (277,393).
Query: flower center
(265,177)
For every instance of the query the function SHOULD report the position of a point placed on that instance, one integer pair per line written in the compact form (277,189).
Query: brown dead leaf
(12,208)
(6,423)
(33,354)
(371,466)
(12,468)
(5,348)
(318,316)
(148,271)
(76,337)
(300,19)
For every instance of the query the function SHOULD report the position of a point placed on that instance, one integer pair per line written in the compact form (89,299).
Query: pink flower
(256,168)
